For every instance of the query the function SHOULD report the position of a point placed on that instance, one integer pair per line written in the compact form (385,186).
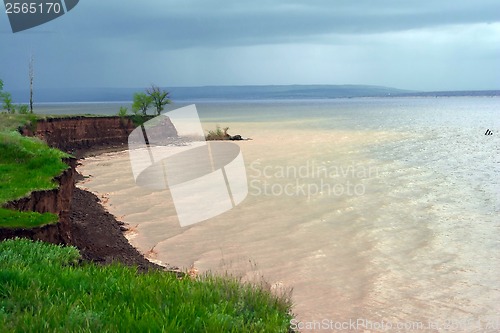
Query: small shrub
(218,134)
(23,109)
(123,111)
(7,103)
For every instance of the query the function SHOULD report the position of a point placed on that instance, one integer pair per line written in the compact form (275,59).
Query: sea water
(382,214)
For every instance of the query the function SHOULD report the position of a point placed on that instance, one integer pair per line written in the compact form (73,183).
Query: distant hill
(232,93)
(453,93)
(283,92)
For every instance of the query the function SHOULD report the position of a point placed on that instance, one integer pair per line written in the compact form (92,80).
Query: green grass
(10,122)
(44,288)
(26,165)
(14,219)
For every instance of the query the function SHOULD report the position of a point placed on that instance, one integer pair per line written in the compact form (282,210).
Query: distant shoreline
(238,93)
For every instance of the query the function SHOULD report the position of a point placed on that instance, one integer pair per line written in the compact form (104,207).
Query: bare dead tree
(32,76)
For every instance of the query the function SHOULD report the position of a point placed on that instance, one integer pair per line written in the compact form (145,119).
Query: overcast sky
(408,44)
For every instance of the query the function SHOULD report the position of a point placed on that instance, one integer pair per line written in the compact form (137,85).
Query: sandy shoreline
(99,237)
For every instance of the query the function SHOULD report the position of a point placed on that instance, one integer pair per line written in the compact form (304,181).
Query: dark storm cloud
(411,44)
(169,24)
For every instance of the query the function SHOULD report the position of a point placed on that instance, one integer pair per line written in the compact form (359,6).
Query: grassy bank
(26,165)
(42,286)
(10,122)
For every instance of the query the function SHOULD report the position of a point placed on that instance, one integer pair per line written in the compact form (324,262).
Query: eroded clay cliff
(69,134)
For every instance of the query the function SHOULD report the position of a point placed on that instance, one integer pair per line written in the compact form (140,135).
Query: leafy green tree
(142,102)
(159,97)
(7,103)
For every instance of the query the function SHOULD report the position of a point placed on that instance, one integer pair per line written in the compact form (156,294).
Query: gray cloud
(217,23)
(423,45)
